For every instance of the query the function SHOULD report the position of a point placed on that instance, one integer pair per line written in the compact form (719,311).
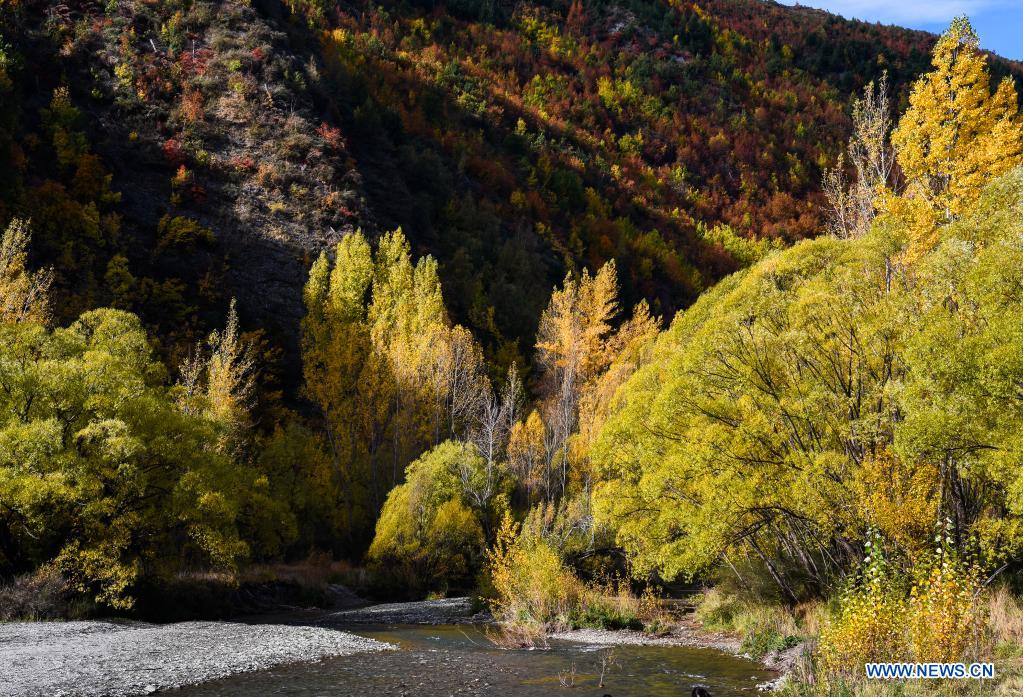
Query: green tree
(740,437)
(427,536)
(823,392)
(100,470)
(963,406)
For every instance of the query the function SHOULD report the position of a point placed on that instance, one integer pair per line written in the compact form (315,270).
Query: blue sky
(998,22)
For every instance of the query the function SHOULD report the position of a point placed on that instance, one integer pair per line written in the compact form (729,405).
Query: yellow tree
(346,378)
(526,456)
(570,350)
(576,345)
(218,383)
(956,135)
(230,381)
(389,372)
(410,328)
(628,348)
(23,294)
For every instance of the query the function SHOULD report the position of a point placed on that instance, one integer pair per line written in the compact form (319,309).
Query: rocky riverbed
(121,658)
(131,658)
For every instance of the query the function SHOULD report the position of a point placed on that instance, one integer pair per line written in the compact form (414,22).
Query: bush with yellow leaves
(939,619)
(945,619)
(535,591)
(532,586)
(871,621)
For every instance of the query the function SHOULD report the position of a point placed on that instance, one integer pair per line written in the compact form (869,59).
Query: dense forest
(561,304)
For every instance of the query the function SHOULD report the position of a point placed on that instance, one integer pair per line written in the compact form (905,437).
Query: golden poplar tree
(577,344)
(23,294)
(526,456)
(347,379)
(955,136)
(381,359)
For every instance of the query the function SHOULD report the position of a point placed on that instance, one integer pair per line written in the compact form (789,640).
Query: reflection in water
(459,660)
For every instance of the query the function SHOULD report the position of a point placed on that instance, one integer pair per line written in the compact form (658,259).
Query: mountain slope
(512,142)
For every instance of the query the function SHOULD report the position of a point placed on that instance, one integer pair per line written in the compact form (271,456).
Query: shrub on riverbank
(531,584)
(934,613)
(763,626)
(535,590)
(874,622)
(40,595)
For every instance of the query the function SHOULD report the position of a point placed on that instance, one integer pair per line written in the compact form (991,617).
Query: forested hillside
(552,302)
(512,144)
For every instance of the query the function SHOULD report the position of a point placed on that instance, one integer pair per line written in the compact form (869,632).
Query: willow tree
(429,533)
(819,395)
(738,440)
(964,405)
(101,472)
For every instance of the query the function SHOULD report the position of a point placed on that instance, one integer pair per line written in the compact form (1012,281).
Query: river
(444,660)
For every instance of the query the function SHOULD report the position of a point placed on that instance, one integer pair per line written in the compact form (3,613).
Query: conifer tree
(218,381)
(230,380)
(576,344)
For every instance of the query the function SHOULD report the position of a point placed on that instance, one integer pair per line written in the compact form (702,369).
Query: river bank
(686,633)
(131,658)
(121,658)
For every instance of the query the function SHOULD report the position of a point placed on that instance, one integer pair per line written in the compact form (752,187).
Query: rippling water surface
(438,661)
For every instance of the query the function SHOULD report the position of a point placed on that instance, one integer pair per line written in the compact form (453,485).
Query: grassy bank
(816,627)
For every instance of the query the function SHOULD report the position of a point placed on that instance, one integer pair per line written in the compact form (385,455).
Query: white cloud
(904,11)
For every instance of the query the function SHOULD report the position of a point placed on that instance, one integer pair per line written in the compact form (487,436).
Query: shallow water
(438,661)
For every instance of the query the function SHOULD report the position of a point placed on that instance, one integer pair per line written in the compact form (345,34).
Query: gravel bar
(680,636)
(444,611)
(86,659)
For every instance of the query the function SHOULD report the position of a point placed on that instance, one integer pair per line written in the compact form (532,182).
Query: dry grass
(1005,616)
(520,635)
(40,595)
(316,571)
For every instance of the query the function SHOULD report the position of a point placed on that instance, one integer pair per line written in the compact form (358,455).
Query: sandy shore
(118,659)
